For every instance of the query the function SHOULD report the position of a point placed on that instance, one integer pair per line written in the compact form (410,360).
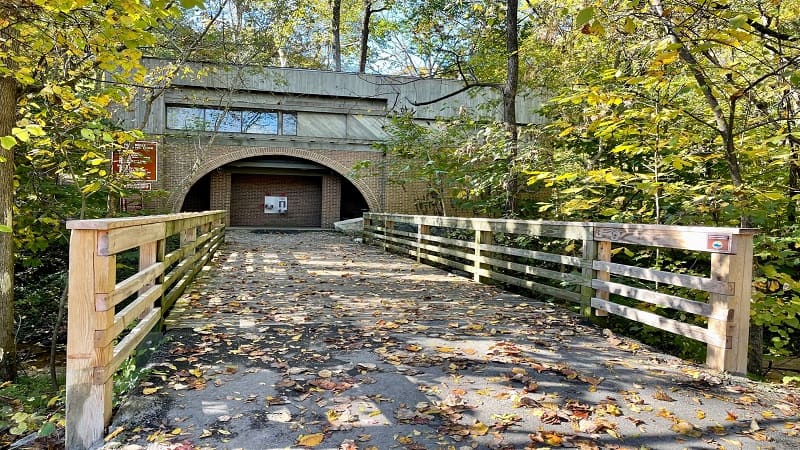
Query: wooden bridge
(108,319)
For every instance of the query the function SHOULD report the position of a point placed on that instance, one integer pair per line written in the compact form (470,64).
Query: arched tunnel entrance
(277,191)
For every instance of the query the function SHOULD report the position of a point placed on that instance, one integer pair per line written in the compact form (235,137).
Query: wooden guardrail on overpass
(573,262)
(108,319)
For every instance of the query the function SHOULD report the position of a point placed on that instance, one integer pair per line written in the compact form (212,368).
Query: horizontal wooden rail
(108,320)
(468,244)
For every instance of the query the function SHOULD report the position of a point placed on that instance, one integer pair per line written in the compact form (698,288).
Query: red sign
(141,158)
(720,243)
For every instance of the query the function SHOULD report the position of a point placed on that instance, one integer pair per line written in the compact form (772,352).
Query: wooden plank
(654,320)
(126,288)
(121,239)
(127,222)
(534,286)
(570,230)
(143,303)
(537,271)
(731,355)
(448,241)
(447,251)
(481,237)
(535,254)
(88,406)
(603,254)
(422,232)
(127,346)
(660,299)
(589,253)
(691,238)
(675,279)
(449,262)
(529,226)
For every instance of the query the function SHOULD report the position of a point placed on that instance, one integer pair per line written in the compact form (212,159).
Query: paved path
(309,339)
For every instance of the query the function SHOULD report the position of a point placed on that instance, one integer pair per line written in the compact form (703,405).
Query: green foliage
(31,406)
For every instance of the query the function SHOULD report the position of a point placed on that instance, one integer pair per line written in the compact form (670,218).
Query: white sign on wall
(275,205)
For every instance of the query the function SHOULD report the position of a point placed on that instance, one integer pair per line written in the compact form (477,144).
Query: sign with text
(275,205)
(141,158)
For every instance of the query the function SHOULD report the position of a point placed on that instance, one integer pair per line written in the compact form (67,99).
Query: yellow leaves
(664,58)
(310,440)
(700,414)
(151,390)
(444,349)
(412,348)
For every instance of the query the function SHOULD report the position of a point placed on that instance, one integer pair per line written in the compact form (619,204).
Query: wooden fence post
(603,254)
(187,236)
(388,225)
(588,273)
(367,229)
(481,237)
(737,269)
(421,230)
(91,279)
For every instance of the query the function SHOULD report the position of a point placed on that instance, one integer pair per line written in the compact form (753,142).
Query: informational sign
(275,205)
(140,158)
(719,242)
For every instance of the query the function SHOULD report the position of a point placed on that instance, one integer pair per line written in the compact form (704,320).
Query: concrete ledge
(350,226)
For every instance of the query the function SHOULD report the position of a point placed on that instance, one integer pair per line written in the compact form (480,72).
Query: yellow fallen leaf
(413,348)
(701,414)
(687,429)
(767,414)
(310,440)
(176,431)
(519,371)
(114,434)
(405,440)
(552,438)
(479,428)
(443,349)
(205,434)
(196,372)
(150,391)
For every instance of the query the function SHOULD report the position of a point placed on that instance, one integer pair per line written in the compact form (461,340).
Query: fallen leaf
(687,429)
(310,440)
(661,395)
(150,391)
(479,428)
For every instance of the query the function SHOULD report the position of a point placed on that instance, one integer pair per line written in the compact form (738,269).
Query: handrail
(587,279)
(97,340)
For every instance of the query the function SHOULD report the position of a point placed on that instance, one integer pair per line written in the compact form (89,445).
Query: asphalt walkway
(309,340)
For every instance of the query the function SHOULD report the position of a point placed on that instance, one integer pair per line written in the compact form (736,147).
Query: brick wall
(331,199)
(181,164)
(304,196)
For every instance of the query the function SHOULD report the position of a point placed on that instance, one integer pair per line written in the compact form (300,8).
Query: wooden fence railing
(108,319)
(582,272)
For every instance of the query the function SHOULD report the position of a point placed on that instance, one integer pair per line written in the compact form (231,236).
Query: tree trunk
(362,60)
(8,354)
(337,42)
(510,108)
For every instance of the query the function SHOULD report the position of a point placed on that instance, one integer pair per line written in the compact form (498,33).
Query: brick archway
(177,198)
